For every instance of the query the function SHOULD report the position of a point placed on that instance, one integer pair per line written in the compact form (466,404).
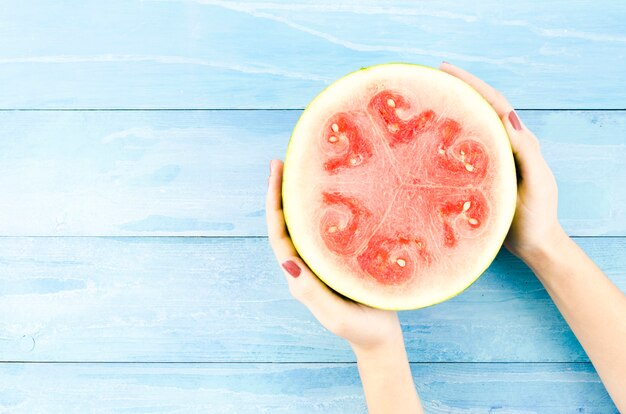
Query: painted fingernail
(292,268)
(515,121)
(447,63)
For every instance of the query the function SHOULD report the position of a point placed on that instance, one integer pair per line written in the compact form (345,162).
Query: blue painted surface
(203,173)
(293,388)
(217,305)
(231,54)
(180,299)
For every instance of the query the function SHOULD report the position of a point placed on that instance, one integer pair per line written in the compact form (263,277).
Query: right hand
(535,225)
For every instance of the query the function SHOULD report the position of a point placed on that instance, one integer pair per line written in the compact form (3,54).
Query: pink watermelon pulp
(399,186)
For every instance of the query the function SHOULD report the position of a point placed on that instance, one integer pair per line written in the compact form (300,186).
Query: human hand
(375,335)
(535,226)
(365,328)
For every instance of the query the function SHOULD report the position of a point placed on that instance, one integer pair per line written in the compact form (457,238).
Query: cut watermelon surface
(399,186)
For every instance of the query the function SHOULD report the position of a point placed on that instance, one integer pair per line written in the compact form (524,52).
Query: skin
(594,308)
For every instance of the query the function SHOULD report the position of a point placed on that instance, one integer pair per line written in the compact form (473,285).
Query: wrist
(389,349)
(386,376)
(547,250)
(549,256)
(386,363)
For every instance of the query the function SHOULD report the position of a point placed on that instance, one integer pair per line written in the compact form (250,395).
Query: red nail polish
(515,121)
(292,268)
(445,62)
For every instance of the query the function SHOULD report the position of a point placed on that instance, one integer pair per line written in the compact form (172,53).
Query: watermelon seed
(401,262)
(333,139)
(469,167)
(391,103)
(332,229)
(394,128)
(473,221)
(466,205)
(335,127)
(355,160)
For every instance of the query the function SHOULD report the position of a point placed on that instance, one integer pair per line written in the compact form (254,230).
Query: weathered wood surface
(293,388)
(226,300)
(222,301)
(233,54)
(205,172)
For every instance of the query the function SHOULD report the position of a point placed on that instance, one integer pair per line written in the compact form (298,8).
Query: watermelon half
(399,186)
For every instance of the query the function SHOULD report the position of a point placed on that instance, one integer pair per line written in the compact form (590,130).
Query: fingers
(303,283)
(495,98)
(276,229)
(499,103)
(524,143)
(525,146)
(324,304)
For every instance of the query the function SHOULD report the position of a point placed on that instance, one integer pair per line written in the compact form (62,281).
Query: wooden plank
(293,388)
(225,300)
(223,54)
(205,172)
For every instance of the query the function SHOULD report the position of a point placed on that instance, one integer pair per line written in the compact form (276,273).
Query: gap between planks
(612,236)
(299,363)
(261,109)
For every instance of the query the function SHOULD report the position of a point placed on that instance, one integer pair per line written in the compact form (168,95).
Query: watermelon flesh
(399,186)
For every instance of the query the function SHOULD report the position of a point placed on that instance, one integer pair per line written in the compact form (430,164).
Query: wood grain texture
(220,305)
(293,388)
(232,54)
(225,300)
(205,172)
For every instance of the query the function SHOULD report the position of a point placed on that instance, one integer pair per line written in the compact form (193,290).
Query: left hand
(365,328)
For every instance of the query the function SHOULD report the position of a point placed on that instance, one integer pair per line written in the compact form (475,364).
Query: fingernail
(445,62)
(271,166)
(515,121)
(292,268)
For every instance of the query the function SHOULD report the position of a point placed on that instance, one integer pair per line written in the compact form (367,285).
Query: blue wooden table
(135,273)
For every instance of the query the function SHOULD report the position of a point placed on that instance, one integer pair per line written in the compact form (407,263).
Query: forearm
(387,381)
(592,305)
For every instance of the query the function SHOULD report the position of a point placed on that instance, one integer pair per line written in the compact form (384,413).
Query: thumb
(304,285)
(524,143)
